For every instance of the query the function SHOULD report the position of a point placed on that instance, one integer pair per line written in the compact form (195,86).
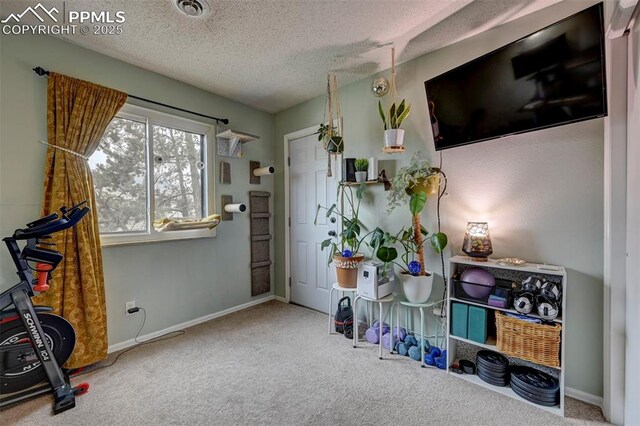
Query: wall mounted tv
(552,77)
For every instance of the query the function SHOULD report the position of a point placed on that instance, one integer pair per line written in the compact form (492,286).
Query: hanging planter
(394,116)
(329,134)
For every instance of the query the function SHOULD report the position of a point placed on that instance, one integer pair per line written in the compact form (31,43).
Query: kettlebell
(524,302)
(547,309)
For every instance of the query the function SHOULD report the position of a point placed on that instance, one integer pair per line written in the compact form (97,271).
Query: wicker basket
(533,342)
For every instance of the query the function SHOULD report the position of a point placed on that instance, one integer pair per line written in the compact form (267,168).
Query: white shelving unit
(556,272)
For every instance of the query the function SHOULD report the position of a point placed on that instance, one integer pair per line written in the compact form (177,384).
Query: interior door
(309,185)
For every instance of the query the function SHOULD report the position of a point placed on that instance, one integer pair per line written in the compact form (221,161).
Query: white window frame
(151,118)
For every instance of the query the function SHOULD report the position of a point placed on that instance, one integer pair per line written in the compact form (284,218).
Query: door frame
(289,137)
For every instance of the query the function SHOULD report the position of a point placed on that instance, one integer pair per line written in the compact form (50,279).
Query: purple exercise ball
(477,282)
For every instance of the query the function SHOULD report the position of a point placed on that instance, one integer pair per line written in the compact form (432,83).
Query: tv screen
(554,76)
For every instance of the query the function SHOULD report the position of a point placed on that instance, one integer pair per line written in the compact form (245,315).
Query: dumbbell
(403,348)
(411,340)
(386,340)
(426,343)
(373,333)
(430,357)
(441,361)
(414,353)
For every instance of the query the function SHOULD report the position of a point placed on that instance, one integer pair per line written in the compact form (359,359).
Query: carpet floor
(275,364)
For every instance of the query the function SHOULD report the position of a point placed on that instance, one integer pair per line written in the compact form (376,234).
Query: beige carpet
(275,364)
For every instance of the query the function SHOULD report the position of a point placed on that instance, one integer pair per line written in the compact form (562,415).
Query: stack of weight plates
(493,368)
(535,386)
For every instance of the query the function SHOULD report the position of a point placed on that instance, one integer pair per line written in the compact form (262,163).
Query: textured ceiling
(273,54)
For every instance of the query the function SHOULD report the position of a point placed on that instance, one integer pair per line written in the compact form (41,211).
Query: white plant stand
(421,307)
(387,299)
(554,272)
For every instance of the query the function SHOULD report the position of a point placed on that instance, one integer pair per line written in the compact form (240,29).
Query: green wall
(174,281)
(541,192)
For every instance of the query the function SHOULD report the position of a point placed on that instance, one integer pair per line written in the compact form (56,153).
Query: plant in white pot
(393,134)
(361,165)
(416,281)
(344,246)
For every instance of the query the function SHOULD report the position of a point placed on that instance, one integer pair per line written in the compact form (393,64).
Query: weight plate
(467,366)
(491,367)
(491,381)
(494,378)
(543,398)
(492,374)
(525,395)
(494,358)
(534,380)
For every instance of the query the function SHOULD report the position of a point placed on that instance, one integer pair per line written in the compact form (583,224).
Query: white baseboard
(583,396)
(280,299)
(131,342)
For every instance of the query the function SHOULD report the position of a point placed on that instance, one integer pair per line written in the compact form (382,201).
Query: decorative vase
(416,288)
(361,176)
(393,137)
(429,186)
(347,269)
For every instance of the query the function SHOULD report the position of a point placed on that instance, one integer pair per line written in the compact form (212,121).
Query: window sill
(155,237)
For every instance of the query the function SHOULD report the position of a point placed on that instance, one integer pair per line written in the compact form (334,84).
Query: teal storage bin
(477,330)
(459,319)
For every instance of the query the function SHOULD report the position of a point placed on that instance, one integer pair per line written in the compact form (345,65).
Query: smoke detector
(192,8)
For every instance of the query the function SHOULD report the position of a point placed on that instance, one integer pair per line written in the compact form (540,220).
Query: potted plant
(344,246)
(393,134)
(330,137)
(409,184)
(361,165)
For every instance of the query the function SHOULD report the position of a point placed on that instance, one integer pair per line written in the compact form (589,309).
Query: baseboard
(131,342)
(280,299)
(583,396)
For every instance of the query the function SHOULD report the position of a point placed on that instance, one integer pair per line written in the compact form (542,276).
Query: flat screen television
(552,77)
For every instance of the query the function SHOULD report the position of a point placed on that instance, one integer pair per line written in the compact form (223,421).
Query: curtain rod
(41,71)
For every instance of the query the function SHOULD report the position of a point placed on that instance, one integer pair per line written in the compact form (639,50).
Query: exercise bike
(34,343)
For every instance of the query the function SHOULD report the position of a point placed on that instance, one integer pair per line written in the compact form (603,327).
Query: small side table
(387,299)
(337,287)
(420,307)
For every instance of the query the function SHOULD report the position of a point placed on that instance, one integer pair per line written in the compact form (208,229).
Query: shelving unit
(455,343)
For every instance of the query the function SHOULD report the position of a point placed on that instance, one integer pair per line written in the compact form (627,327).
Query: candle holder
(477,242)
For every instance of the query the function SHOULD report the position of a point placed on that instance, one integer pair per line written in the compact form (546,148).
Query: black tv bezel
(600,8)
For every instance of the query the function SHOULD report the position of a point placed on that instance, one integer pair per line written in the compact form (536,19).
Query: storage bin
(459,319)
(477,329)
(539,343)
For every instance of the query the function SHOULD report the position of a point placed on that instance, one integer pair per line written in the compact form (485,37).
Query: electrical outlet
(129,305)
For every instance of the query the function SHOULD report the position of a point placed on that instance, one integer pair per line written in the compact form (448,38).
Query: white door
(309,186)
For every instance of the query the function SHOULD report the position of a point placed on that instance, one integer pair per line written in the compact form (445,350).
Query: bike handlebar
(50,224)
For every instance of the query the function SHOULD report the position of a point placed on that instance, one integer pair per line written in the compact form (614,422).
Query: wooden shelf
(368,182)
(393,149)
(535,268)
(507,391)
(490,344)
(495,308)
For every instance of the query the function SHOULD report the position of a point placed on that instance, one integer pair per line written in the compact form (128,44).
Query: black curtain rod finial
(41,71)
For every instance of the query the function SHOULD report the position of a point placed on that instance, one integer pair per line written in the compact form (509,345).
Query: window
(150,166)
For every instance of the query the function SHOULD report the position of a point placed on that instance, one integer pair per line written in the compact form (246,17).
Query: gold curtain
(78,113)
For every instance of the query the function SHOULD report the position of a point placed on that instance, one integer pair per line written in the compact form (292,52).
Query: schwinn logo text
(31,325)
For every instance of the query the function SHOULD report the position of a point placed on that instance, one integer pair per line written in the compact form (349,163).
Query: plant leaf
(387,254)
(331,209)
(417,202)
(381,111)
(439,241)
(400,109)
(377,239)
(315,221)
(326,243)
(423,230)
(404,115)
(392,116)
